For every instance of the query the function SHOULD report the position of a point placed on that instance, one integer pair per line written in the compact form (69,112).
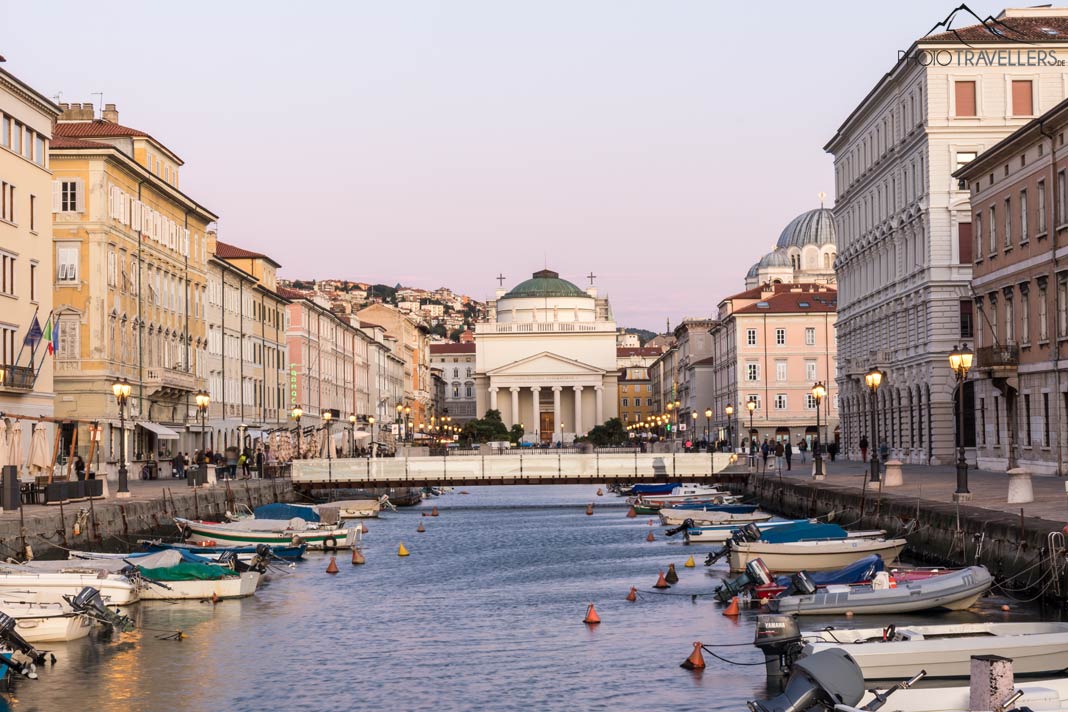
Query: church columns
(535,412)
(515,405)
(493,398)
(578,410)
(599,390)
(558,415)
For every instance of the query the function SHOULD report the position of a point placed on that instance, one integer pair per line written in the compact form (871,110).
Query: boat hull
(230,587)
(221,534)
(675,517)
(812,555)
(46,623)
(51,588)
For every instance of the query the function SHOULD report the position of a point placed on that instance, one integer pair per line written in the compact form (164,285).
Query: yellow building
(413,346)
(26,120)
(129,283)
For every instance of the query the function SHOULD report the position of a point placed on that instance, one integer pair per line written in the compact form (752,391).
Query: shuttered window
(965,98)
(1022,98)
(964,242)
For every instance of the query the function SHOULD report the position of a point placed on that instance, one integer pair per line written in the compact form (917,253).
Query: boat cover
(653,488)
(860,570)
(286,511)
(802,530)
(161,558)
(187,571)
(706,507)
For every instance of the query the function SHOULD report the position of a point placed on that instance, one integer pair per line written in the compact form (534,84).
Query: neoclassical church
(546,359)
(805,253)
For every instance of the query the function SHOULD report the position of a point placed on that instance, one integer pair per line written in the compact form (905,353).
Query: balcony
(169,382)
(1006,356)
(17,378)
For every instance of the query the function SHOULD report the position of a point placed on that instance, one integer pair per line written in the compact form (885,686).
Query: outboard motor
(779,638)
(750,532)
(801,584)
(24,658)
(755,574)
(828,678)
(686,524)
(89,603)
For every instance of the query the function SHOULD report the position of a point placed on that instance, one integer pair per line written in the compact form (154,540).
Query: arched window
(469,389)
(456,389)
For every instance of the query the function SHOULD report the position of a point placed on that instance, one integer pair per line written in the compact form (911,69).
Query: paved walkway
(937,483)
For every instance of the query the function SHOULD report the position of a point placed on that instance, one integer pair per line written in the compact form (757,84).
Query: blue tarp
(286,511)
(802,530)
(654,488)
(860,570)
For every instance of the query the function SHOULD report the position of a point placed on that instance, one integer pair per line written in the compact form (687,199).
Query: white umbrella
(40,460)
(14,444)
(5,449)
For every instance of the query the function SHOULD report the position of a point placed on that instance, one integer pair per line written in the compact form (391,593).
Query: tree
(609,433)
(517,433)
(489,428)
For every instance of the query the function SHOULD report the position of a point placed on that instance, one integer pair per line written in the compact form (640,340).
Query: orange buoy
(363,528)
(1005,607)
(331,568)
(732,609)
(357,558)
(589,509)
(672,576)
(650,537)
(631,514)
(696,661)
(434,512)
(420,528)
(591,616)
(661,582)
(600,492)
(633,595)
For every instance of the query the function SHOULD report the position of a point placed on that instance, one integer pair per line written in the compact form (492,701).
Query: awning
(161,431)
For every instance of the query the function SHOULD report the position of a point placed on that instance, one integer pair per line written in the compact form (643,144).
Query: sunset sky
(662,145)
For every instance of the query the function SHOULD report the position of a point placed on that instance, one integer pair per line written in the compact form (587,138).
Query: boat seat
(909,634)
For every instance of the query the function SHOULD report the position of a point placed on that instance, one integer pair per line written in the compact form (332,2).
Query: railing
(17,378)
(544,327)
(170,378)
(1004,356)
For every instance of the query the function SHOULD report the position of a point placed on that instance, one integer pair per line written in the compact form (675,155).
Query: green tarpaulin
(187,572)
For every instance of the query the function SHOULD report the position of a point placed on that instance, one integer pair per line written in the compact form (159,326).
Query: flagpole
(18,358)
(37,372)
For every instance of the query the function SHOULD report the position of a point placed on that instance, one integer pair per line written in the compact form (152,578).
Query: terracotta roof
(97,128)
(452,348)
(624,351)
(230,252)
(291,293)
(1009,29)
(794,303)
(371,325)
(68,142)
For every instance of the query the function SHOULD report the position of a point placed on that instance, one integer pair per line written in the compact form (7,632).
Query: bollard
(991,682)
(892,476)
(1020,489)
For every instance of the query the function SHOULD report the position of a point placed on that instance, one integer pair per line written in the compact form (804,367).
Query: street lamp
(400,421)
(371,420)
(408,434)
(297,412)
(751,406)
(326,416)
(960,360)
(819,392)
(122,390)
(729,410)
(693,426)
(874,379)
(708,428)
(203,401)
(352,429)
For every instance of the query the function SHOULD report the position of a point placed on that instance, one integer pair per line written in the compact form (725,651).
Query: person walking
(79,467)
(802,448)
(246,464)
(832,450)
(779,452)
(884,455)
(178,466)
(765,450)
(788,450)
(864,448)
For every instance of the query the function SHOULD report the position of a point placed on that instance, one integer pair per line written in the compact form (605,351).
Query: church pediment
(546,363)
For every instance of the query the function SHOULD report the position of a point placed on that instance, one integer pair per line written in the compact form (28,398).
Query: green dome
(545,283)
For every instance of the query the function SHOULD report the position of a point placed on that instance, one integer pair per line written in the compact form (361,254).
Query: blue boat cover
(859,570)
(728,508)
(285,511)
(802,530)
(654,488)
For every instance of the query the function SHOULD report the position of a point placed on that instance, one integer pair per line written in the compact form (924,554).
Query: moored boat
(271,532)
(818,555)
(19,583)
(244,553)
(675,517)
(46,622)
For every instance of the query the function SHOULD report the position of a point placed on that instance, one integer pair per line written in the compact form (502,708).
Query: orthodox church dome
(816,227)
(545,283)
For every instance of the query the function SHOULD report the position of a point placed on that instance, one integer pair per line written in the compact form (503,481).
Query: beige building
(130,282)
(26,383)
(904,222)
(457,365)
(410,341)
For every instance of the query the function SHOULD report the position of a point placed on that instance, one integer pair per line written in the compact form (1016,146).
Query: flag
(53,346)
(33,334)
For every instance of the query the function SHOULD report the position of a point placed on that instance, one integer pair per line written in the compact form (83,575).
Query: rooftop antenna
(101,104)
(58,97)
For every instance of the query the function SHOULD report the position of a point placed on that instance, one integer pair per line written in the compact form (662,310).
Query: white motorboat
(1038,695)
(19,583)
(722,532)
(46,622)
(815,555)
(358,508)
(675,517)
(953,590)
(946,650)
(230,586)
(274,532)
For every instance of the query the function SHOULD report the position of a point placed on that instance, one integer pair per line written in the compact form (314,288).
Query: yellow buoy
(401,551)
(690,563)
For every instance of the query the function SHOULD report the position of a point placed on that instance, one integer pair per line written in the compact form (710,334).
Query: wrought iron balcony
(170,379)
(17,378)
(1005,357)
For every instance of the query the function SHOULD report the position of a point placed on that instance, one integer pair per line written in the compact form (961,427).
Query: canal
(486,613)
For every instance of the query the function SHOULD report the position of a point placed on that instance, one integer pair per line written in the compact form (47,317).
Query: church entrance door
(547,426)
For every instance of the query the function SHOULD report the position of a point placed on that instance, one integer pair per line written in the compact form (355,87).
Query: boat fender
(329,543)
(296,540)
(187,533)
(207,543)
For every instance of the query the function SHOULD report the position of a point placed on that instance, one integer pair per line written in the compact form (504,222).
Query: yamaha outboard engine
(755,574)
(686,524)
(801,584)
(779,638)
(89,603)
(750,532)
(23,658)
(828,678)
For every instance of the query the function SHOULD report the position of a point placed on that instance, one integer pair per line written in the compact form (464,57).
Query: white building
(457,364)
(904,224)
(546,359)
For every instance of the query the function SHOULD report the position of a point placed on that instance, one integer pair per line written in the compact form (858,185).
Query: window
(964,158)
(752,372)
(7,337)
(964,242)
(810,401)
(982,421)
(993,228)
(5,131)
(964,93)
(755,398)
(626,403)
(456,373)
(1025,316)
(7,202)
(1008,222)
(1040,205)
(997,421)
(1022,101)
(780,371)
(649,402)
(750,337)
(456,390)
(1023,217)
(1060,198)
(68,196)
(1010,321)
(68,338)
(780,401)
(33,281)
(810,371)
(1045,420)
(966,320)
(66,264)
(1062,306)
(780,337)
(1027,419)
(810,336)
(978,235)
(469,372)
(1043,316)
(7,274)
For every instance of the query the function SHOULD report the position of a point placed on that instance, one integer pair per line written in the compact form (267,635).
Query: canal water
(485,614)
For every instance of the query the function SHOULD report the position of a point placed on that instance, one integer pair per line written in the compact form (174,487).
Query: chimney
(110,113)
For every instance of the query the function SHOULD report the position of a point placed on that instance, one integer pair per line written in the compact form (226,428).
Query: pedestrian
(779,452)
(178,466)
(788,450)
(753,450)
(765,450)
(832,450)
(246,464)
(260,458)
(79,467)
(864,448)
(802,448)
(884,453)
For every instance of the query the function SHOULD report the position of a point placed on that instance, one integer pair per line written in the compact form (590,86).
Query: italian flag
(51,334)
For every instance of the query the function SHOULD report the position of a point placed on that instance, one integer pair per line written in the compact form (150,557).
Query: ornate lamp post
(729,410)
(819,392)
(708,428)
(751,406)
(408,434)
(297,412)
(371,420)
(122,390)
(203,401)
(961,362)
(352,432)
(327,416)
(874,379)
(400,422)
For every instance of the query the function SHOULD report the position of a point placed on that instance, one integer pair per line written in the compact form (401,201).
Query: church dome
(775,258)
(545,283)
(753,271)
(816,227)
